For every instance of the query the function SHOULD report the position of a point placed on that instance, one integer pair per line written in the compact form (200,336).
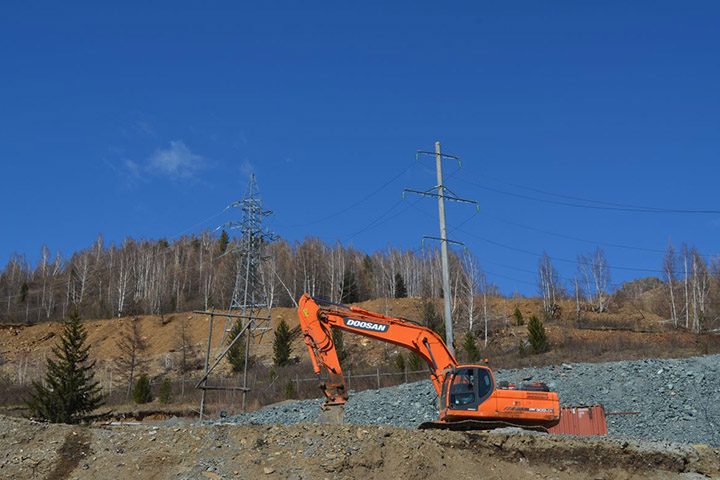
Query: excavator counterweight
(469,397)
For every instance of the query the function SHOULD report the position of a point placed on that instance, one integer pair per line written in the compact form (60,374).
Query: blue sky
(144,119)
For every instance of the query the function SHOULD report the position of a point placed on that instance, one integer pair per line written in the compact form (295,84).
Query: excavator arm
(317,323)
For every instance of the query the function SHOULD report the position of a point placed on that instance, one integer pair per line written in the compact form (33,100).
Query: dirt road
(311,451)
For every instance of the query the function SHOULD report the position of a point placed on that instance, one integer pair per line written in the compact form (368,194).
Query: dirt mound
(307,451)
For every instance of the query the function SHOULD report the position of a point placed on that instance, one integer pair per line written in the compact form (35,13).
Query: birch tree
(670,279)
(470,289)
(594,270)
(548,283)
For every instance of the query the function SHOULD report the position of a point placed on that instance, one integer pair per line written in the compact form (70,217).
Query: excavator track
(469,425)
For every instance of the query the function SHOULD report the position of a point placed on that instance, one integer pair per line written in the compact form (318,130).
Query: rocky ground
(678,400)
(313,451)
(673,436)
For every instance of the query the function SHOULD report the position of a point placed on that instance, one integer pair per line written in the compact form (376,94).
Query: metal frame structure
(249,303)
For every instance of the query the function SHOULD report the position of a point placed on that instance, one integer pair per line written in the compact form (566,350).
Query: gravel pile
(678,399)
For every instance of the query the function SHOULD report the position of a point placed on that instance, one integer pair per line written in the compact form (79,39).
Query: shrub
(290,391)
(400,362)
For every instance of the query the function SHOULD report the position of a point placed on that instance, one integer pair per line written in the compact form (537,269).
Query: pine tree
(70,389)
(518,316)
(537,336)
(471,348)
(339,342)
(400,290)
(141,392)
(282,344)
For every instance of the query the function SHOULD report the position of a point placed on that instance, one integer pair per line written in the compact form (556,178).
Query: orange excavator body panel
(466,392)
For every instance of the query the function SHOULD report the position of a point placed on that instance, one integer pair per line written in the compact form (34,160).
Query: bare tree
(670,279)
(686,282)
(132,347)
(700,288)
(595,272)
(548,283)
(470,287)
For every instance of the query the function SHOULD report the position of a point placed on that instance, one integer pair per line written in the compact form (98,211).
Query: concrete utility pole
(447,294)
(441,196)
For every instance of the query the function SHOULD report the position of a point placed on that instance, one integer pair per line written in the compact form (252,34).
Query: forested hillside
(198,272)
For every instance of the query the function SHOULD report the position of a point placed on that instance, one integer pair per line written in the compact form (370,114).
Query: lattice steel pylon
(249,300)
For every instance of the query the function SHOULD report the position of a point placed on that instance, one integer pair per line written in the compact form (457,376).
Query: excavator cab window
(469,387)
(462,390)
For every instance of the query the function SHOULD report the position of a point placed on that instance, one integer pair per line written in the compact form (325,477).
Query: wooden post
(207,362)
(377,371)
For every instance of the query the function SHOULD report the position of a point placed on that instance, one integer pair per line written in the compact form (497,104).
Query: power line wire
(350,207)
(559,259)
(609,205)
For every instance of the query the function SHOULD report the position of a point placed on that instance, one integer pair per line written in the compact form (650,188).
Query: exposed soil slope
(309,451)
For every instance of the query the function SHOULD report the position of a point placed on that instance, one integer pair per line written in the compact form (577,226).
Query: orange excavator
(469,397)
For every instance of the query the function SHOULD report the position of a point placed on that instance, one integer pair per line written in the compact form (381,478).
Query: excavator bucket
(334,414)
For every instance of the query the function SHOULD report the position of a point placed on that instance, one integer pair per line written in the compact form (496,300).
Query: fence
(267,384)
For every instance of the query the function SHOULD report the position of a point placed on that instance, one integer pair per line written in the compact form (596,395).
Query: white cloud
(133,168)
(176,161)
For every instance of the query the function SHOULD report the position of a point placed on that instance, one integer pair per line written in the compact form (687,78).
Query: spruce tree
(70,390)
(223,241)
(236,354)
(23,292)
(339,342)
(517,314)
(537,336)
(414,362)
(165,392)
(471,348)
(282,344)
(400,290)
(432,320)
(141,392)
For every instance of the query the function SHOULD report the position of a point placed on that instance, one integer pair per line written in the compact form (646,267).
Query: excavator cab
(466,388)
(470,399)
